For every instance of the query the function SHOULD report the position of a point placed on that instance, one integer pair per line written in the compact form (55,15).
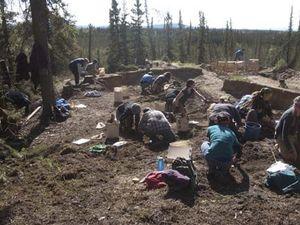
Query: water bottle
(160,165)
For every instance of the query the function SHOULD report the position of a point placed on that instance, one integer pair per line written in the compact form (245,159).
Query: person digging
(287,134)
(186,93)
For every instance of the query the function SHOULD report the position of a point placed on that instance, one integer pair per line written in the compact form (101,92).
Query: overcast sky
(250,14)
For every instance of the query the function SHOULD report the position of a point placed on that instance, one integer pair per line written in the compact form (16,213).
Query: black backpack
(187,168)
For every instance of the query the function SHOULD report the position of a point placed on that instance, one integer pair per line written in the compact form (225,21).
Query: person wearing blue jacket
(223,148)
(146,82)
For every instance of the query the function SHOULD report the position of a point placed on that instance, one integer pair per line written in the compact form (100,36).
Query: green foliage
(113,60)
(138,46)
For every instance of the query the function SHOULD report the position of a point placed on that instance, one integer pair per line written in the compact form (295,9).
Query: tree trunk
(39,13)
(90,42)
(6,36)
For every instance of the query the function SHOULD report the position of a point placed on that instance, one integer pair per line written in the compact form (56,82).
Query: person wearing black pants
(74,67)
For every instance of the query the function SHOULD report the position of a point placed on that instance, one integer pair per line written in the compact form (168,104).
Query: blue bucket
(252,131)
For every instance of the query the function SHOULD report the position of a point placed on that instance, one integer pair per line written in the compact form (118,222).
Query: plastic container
(181,149)
(160,164)
(112,130)
(182,124)
(118,95)
(252,131)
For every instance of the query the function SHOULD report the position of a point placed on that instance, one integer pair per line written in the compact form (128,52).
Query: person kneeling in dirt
(169,98)
(155,125)
(77,67)
(128,114)
(261,111)
(92,67)
(146,82)
(223,149)
(232,112)
(288,133)
(159,82)
(18,99)
(186,93)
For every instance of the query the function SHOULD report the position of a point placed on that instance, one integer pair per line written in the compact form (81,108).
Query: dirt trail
(75,187)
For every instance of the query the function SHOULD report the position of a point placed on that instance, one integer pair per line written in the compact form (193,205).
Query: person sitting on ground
(159,82)
(22,70)
(155,125)
(186,93)
(146,82)
(92,67)
(18,99)
(128,114)
(4,73)
(239,55)
(223,148)
(232,112)
(261,111)
(77,67)
(287,133)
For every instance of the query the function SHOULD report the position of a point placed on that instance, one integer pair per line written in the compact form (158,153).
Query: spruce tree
(289,37)
(168,32)
(230,39)
(189,42)
(226,44)
(152,40)
(201,39)
(124,51)
(138,42)
(113,59)
(181,41)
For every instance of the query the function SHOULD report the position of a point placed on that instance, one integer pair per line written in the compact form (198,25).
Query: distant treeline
(126,42)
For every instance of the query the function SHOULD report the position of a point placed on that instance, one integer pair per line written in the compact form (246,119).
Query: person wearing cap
(186,93)
(261,111)
(287,133)
(92,67)
(223,148)
(77,67)
(156,126)
(146,82)
(128,114)
(159,82)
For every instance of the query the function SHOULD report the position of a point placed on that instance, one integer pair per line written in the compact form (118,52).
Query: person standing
(186,93)
(77,67)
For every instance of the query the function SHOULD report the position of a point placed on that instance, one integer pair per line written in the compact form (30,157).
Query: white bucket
(182,124)
(179,149)
(112,130)
(118,95)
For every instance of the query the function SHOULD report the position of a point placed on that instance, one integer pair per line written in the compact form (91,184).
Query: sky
(245,14)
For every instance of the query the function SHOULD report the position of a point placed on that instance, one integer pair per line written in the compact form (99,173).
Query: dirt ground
(59,183)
